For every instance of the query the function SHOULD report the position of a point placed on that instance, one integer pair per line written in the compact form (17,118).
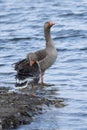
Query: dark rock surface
(18,109)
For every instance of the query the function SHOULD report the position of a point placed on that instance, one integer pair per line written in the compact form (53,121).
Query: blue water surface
(21,32)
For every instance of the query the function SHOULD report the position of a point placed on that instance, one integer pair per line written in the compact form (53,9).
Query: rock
(18,109)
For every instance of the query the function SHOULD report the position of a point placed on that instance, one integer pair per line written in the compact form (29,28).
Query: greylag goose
(47,56)
(28,72)
(30,68)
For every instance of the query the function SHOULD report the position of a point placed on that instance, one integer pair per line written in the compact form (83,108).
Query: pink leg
(42,79)
(33,94)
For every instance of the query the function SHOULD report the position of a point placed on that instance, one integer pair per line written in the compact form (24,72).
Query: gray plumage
(48,55)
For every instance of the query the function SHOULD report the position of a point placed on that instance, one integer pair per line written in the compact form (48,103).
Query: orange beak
(51,23)
(32,62)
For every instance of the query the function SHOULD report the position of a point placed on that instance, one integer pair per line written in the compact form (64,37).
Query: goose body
(48,55)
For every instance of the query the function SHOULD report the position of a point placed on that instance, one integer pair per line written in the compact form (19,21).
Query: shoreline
(19,109)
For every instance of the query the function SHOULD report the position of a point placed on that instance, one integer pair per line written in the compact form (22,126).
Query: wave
(20,39)
(70,13)
(74,50)
(71,33)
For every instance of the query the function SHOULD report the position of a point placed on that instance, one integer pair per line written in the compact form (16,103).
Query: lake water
(21,32)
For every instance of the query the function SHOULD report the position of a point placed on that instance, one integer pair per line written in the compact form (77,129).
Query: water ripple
(21,32)
(63,34)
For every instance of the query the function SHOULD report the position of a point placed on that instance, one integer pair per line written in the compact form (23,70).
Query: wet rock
(18,109)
